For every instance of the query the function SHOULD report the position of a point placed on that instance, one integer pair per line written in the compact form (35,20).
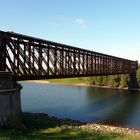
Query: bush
(114,81)
(138,76)
(123,81)
(126,80)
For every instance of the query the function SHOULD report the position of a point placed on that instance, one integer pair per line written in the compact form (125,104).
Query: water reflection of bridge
(33,58)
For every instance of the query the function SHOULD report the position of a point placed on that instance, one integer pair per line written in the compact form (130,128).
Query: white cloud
(80,23)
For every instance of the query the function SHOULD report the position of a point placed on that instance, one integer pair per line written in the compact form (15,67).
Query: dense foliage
(138,76)
(131,81)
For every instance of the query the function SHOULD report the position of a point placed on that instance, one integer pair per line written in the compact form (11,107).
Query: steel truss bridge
(30,58)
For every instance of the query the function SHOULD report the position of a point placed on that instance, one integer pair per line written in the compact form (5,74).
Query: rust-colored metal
(33,58)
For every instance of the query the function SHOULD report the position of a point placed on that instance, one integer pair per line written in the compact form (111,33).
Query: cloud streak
(80,23)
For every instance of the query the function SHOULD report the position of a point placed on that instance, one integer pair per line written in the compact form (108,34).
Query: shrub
(138,76)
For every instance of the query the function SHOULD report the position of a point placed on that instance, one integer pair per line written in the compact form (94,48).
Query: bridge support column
(133,80)
(10,103)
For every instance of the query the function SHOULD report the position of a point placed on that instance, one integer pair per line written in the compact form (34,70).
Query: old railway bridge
(30,58)
(27,58)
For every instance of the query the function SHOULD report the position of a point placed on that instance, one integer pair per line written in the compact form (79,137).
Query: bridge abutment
(10,103)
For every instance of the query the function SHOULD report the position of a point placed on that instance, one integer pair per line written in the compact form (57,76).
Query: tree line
(122,81)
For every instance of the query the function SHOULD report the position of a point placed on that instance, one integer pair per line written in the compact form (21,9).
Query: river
(87,104)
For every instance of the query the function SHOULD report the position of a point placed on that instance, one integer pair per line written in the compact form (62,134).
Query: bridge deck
(33,58)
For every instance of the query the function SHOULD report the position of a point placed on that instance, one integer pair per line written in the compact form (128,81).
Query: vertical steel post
(48,60)
(18,69)
(83,63)
(55,60)
(29,53)
(2,53)
(40,60)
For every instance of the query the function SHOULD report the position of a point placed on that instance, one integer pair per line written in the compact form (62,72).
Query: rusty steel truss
(33,58)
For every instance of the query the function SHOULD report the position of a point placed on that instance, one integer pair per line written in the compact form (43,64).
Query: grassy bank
(70,80)
(41,127)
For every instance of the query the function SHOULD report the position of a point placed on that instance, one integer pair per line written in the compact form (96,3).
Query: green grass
(38,127)
(84,80)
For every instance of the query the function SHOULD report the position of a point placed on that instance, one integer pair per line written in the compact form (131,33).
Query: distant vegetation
(121,81)
(131,81)
(138,76)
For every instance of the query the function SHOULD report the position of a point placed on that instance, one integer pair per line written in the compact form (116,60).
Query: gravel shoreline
(112,129)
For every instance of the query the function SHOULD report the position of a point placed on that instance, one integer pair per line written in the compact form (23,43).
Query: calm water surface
(83,103)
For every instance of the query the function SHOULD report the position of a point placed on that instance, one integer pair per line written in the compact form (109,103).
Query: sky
(106,26)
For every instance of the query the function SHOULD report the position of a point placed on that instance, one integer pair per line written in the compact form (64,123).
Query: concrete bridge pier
(10,103)
(133,80)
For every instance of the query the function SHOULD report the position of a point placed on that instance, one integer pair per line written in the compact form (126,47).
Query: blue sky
(106,26)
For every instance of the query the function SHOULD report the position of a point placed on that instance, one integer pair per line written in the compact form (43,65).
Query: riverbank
(78,83)
(41,126)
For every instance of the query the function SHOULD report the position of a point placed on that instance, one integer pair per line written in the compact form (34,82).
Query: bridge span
(30,58)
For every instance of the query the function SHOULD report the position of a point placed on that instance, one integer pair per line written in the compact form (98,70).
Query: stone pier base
(10,103)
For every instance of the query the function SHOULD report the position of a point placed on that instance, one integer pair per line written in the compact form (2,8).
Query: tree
(99,80)
(138,76)
(123,81)
(114,80)
(104,80)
